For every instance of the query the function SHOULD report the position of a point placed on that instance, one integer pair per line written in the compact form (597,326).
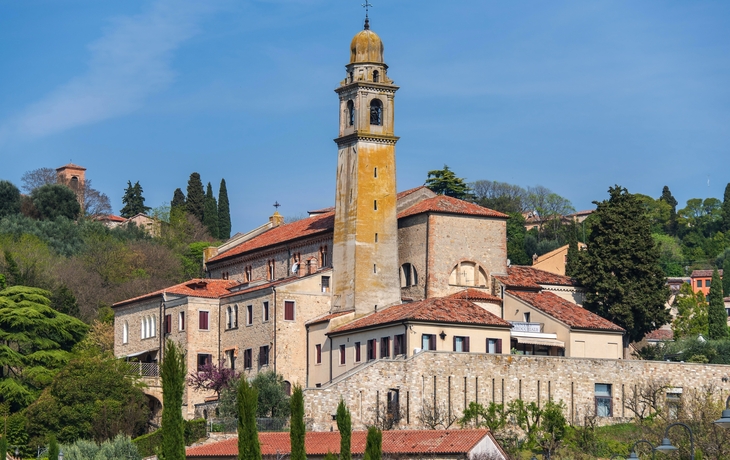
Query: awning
(536,341)
(132,355)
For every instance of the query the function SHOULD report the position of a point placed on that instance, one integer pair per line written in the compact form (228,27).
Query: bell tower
(365,253)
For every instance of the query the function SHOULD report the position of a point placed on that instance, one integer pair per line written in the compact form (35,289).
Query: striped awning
(538,341)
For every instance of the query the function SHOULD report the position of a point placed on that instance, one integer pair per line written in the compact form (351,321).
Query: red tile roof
(439,309)
(206,288)
(241,289)
(529,277)
(319,443)
(405,193)
(563,310)
(449,205)
(323,223)
(475,295)
(660,334)
(703,273)
(328,317)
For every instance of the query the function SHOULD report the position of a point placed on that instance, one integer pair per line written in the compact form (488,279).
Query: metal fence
(144,369)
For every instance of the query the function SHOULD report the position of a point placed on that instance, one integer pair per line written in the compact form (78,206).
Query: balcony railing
(144,369)
(522,326)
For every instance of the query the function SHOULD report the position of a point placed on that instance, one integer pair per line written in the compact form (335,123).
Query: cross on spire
(276,205)
(367,5)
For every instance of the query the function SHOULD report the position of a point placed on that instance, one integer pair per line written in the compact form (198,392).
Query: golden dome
(366,46)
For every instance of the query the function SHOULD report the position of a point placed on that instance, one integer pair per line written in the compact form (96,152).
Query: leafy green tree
(133,201)
(445,182)
(658,212)
(344,426)
(52,448)
(516,233)
(716,314)
(53,201)
(297,430)
(671,258)
(476,415)
(63,300)
(500,196)
(173,374)
(9,199)
(667,197)
(35,342)
(272,398)
(373,444)
(121,447)
(553,427)
(726,210)
(178,199)
(195,203)
(210,213)
(620,267)
(4,448)
(224,212)
(691,317)
(248,436)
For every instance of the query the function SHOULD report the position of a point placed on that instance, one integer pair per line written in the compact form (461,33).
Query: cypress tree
(210,213)
(4,447)
(373,444)
(9,199)
(53,448)
(572,261)
(224,212)
(726,275)
(195,203)
(297,430)
(178,199)
(620,269)
(726,209)
(173,374)
(248,436)
(671,201)
(344,425)
(716,315)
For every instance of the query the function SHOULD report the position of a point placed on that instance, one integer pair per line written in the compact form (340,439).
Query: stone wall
(455,379)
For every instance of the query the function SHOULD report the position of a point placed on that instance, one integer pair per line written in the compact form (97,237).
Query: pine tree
(178,199)
(620,268)
(63,300)
(9,199)
(671,201)
(173,375)
(224,212)
(248,436)
(373,444)
(726,210)
(716,314)
(445,182)
(344,425)
(195,203)
(133,201)
(297,430)
(210,213)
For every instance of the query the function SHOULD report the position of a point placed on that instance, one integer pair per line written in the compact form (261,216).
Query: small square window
(325,284)
(203,360)
(604,402)
(203,320)
(385,347)
(461,344)
(264,356)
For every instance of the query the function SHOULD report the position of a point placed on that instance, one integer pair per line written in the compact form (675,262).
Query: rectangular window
(375,172)
(181,321)
(265,312)
(385,347)
(203,359)
(318,354)
(526,317)
(376,237)
(393,408)
(289,310)
(461,344)
(249,315)
(674,402)
(231,358)
(342,354)
(264,356)
(325,284)
(203,320)
(707,283)
(168,324)
(358,358)
(428,342)
(604,403)
(372,348)
(699,283)
(399,344)
(375,205)
(494,346)
(247,358)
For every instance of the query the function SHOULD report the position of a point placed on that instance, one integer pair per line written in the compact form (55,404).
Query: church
(377,281)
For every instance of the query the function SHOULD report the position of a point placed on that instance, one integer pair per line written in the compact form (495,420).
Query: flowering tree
(212,377)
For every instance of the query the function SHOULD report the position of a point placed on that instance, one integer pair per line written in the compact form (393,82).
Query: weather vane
(367,5)
(276,205)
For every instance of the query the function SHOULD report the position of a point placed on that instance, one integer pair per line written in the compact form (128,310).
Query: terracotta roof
(530,277)
(439,309)
(110,217)
(206,288)
(322,211)
(323,223)
(563,310)
(321,442)
(660,334)
(703,273)
(71,166)
(449,205)
(328,317)
(405,193)
(582,213)
(475,295)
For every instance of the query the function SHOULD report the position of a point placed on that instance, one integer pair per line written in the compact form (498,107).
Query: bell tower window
(350,113)
(376,112)
(376,76)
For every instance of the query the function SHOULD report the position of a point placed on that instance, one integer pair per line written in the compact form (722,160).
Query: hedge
(147,444)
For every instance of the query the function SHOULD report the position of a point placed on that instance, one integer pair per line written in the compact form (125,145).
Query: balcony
(522,326)
(144,369)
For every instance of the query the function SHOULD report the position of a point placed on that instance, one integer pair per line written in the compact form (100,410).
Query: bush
(147,444)
(195,430)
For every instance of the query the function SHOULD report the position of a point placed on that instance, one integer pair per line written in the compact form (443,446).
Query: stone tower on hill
(365,251)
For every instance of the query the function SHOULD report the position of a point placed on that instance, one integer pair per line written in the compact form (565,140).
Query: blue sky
(574,96)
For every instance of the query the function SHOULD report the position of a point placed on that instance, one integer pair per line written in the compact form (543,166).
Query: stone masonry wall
(455,379)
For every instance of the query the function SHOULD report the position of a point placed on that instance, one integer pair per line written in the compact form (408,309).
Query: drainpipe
(405,339)
(307,353)
(162,333)
(428,242)
(273,289)
(330,338)
(219,332)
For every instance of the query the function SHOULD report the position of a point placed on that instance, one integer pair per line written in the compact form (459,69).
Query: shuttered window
(289,310)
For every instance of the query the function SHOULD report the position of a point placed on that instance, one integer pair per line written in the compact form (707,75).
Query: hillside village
(405,305)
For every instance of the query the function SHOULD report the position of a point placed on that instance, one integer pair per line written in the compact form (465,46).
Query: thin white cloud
(131,61)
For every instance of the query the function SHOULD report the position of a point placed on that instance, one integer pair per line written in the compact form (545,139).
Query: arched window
(376,76)
(287,387)
(376,112)
(468,274)
(408,275)
(125,332)
(350,113)
(153,328)
(235,316)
